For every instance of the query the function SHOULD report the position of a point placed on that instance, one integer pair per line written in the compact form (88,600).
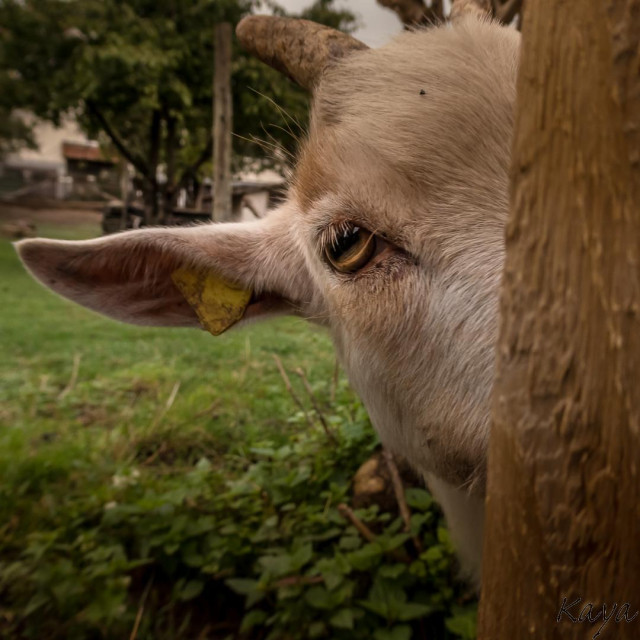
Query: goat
(391,236)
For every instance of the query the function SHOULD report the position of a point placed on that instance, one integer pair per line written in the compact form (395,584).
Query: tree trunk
(170,190)
(563,505)
(152,189)
(151,192)
(125,193)
(222,123)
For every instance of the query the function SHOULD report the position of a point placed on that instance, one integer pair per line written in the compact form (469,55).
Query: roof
(86,152)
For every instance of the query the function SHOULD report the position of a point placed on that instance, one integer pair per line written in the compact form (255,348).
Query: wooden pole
(562,533)
(222,123)
(124,193)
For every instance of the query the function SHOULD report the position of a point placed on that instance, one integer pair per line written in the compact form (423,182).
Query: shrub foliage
(222,546)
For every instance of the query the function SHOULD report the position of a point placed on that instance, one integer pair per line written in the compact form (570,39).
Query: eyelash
(387,252)
(330,234)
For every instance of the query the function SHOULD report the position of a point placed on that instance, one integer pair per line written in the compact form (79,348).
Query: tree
(419,12)
(15,131)
(563,521)
(139,74)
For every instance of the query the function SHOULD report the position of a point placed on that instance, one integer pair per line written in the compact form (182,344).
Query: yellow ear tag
(217,303)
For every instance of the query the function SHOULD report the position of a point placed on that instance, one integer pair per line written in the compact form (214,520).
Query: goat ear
(163,277)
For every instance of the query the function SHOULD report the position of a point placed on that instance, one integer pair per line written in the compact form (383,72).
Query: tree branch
(192,169)
(154,144)
(506,11)
(117,140)
(415,12)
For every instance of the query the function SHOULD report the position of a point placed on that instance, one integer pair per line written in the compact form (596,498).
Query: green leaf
(332,580)
(301,557)
(388,599)
(191,589)
(393,542)
(203,464)
(418,499)
(392,571)
(319,598)
(243,586)
(253,619)
(317,629)
(464,622)
(276,565)
(365,558)
(37,601)
(342,619)
(401,632)
(412,610)
(350,542)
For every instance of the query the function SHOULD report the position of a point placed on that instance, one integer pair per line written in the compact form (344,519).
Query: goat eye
(351,249)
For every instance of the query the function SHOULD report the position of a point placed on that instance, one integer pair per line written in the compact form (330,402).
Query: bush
(250,545)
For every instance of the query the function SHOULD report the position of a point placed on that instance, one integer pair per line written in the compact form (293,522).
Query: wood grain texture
(563,506)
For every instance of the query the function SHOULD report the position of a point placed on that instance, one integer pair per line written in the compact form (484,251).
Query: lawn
(228,386)
(163,483)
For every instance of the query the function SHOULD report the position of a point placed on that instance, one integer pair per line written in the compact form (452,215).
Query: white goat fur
(415,330)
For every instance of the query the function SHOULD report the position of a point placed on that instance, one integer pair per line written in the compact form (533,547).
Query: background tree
(421,12)
(138,74)
(564,487)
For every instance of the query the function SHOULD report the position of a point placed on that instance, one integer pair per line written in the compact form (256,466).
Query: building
(65,165)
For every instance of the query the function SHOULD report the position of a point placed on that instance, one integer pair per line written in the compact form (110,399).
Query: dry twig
(172,396)
(74,377)
(347,513)
(136,624)
(316,407)
(398,490)
(292,393)
(209,410)
(170,400)
(297,581)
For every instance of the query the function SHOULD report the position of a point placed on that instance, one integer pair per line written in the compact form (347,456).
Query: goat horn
(300,49)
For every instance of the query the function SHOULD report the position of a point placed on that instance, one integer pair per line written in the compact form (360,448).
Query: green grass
(126,374)
(69,449)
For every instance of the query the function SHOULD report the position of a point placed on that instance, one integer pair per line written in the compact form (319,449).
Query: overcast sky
(378,25)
